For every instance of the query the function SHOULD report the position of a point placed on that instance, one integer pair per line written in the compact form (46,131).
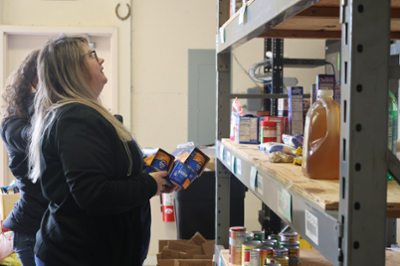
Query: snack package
(280,157)
(236,110)
(270,147)
(295,140)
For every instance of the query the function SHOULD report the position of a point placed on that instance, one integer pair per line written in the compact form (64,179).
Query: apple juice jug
(321,145)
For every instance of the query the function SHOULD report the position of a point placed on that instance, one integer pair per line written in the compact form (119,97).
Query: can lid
(268,123)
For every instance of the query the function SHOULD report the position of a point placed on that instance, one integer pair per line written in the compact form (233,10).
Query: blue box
(296,111)
(192,157)
(325,82)
(181,175)
(246,129)
(156,160)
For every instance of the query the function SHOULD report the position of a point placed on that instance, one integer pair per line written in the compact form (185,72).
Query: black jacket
(28,211)
(97,190)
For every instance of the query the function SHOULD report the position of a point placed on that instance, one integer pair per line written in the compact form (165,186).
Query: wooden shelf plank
(325,193)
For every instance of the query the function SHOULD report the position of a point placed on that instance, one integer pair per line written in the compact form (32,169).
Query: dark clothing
(29,209)
(97,191)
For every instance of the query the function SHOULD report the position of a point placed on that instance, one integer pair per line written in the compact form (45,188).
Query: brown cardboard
(193,262)
(168,262)
(191,252)
(170,254)
(180,246)
(198,239)
(208,247)
(7,202)
(202,257)
(164,242)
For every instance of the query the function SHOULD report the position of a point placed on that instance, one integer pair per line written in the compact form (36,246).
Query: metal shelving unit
(355,234)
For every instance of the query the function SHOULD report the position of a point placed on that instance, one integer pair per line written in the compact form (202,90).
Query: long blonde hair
(61,69)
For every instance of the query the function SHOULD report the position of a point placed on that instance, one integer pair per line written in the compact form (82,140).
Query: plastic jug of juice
(321,145)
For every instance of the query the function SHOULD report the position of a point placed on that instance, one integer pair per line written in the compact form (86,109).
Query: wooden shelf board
(321,21)
(325,193)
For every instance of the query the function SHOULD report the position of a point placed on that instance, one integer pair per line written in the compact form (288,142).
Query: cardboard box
(283,107)
(246,130)
(157,160)
(325,82)
(7,204)
(296,110)
(196,251)
(192,157)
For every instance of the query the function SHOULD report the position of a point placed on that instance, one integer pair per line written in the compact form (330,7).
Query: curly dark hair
(19,86)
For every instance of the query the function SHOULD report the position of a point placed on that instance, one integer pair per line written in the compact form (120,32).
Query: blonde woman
(90,169)
(24,219)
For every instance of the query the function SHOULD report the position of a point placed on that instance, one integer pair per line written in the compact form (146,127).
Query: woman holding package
(90,168)
(24,219)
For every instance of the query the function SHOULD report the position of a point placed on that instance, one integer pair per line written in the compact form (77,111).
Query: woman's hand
(162,185)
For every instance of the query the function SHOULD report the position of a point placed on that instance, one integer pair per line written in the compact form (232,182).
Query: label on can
(294,253)
(258,235)
(279,260)
(265,252)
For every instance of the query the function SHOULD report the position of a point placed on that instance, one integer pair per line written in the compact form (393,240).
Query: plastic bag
(280,157)
(12,260)
(295,141)
(5,245)
(270,147)
(236,110)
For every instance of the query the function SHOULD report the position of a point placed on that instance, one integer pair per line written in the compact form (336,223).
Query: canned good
(237,236)
(275,237)
(265,252)
(289,236)
(258,235)
(248,237)
(251,257)
(293,254)
(289,243)
(269,242)
(280,251)
(280,260)
(249,245)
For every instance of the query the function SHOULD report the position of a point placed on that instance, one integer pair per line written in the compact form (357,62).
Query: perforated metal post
(364,131)
(222,175)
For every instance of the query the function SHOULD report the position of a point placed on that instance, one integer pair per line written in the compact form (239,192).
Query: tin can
(272,264)
(289,243)
(249,245)
(294,254)
(275,237)
(281,260)
(289,236)
(253,257)
(280,251)
(258,235)
(265,252)
(237,236)
(248,237)
(269,242)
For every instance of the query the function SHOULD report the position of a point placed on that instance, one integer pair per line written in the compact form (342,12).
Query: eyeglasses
(94,53)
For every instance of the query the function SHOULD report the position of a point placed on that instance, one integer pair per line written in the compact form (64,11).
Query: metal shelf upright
(355,234)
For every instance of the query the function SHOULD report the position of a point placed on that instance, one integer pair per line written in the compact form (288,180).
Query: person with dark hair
(24,219)
(90,167)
